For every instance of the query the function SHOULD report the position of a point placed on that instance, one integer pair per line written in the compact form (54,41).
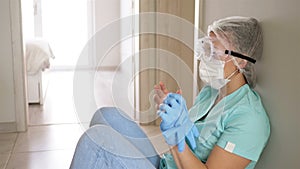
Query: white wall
(105,13)
(7,112)
(12,69)
(278,77)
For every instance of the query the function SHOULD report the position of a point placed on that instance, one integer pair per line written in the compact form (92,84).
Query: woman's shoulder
(251,115)
(248,108)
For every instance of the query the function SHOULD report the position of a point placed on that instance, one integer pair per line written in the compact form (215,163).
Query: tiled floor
(54,129)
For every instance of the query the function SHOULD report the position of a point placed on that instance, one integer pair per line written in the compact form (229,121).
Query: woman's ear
(242,63)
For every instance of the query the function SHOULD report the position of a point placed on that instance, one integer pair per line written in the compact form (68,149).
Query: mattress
(38,54)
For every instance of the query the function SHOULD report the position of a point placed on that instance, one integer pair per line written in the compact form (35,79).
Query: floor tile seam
(11,152)
(7,160)
(39,151)
(52,124)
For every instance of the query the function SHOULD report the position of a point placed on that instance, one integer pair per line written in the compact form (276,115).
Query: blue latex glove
(168,115)
(176,125)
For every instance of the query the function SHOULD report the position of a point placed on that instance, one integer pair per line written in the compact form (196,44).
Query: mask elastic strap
(237,65)
(232,74)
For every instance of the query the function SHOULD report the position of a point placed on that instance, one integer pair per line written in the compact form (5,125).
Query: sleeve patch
(229,147)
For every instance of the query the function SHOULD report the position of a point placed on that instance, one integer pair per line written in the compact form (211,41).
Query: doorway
(68,26)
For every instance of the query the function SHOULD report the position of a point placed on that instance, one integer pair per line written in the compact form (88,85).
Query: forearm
(175,157)
(186,159)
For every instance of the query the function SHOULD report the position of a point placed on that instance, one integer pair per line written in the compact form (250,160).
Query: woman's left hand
(161,92)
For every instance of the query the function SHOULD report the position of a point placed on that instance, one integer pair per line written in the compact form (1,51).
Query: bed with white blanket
(38,54)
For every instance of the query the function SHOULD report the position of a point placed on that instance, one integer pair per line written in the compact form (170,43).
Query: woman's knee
(99,116)
(104,115)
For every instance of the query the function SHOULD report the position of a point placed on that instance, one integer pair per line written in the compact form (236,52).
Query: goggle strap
(229,52)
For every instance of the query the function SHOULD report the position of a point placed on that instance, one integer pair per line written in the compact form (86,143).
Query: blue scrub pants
(114,141)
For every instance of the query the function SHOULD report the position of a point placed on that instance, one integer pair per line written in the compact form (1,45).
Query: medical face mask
(212,73)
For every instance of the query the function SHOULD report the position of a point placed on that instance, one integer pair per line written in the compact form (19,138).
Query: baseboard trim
(8,127)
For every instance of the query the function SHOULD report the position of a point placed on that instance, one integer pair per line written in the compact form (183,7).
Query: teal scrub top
(238,124)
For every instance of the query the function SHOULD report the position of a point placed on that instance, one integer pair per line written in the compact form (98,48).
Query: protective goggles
(207,51)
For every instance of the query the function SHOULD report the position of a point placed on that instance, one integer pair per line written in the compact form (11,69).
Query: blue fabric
(114,141)
(238,119)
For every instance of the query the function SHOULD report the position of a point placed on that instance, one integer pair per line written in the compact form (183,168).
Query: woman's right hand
(160,94)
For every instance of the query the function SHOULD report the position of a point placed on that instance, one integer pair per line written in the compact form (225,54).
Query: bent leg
(122,123)
(102,147)
(118,120)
